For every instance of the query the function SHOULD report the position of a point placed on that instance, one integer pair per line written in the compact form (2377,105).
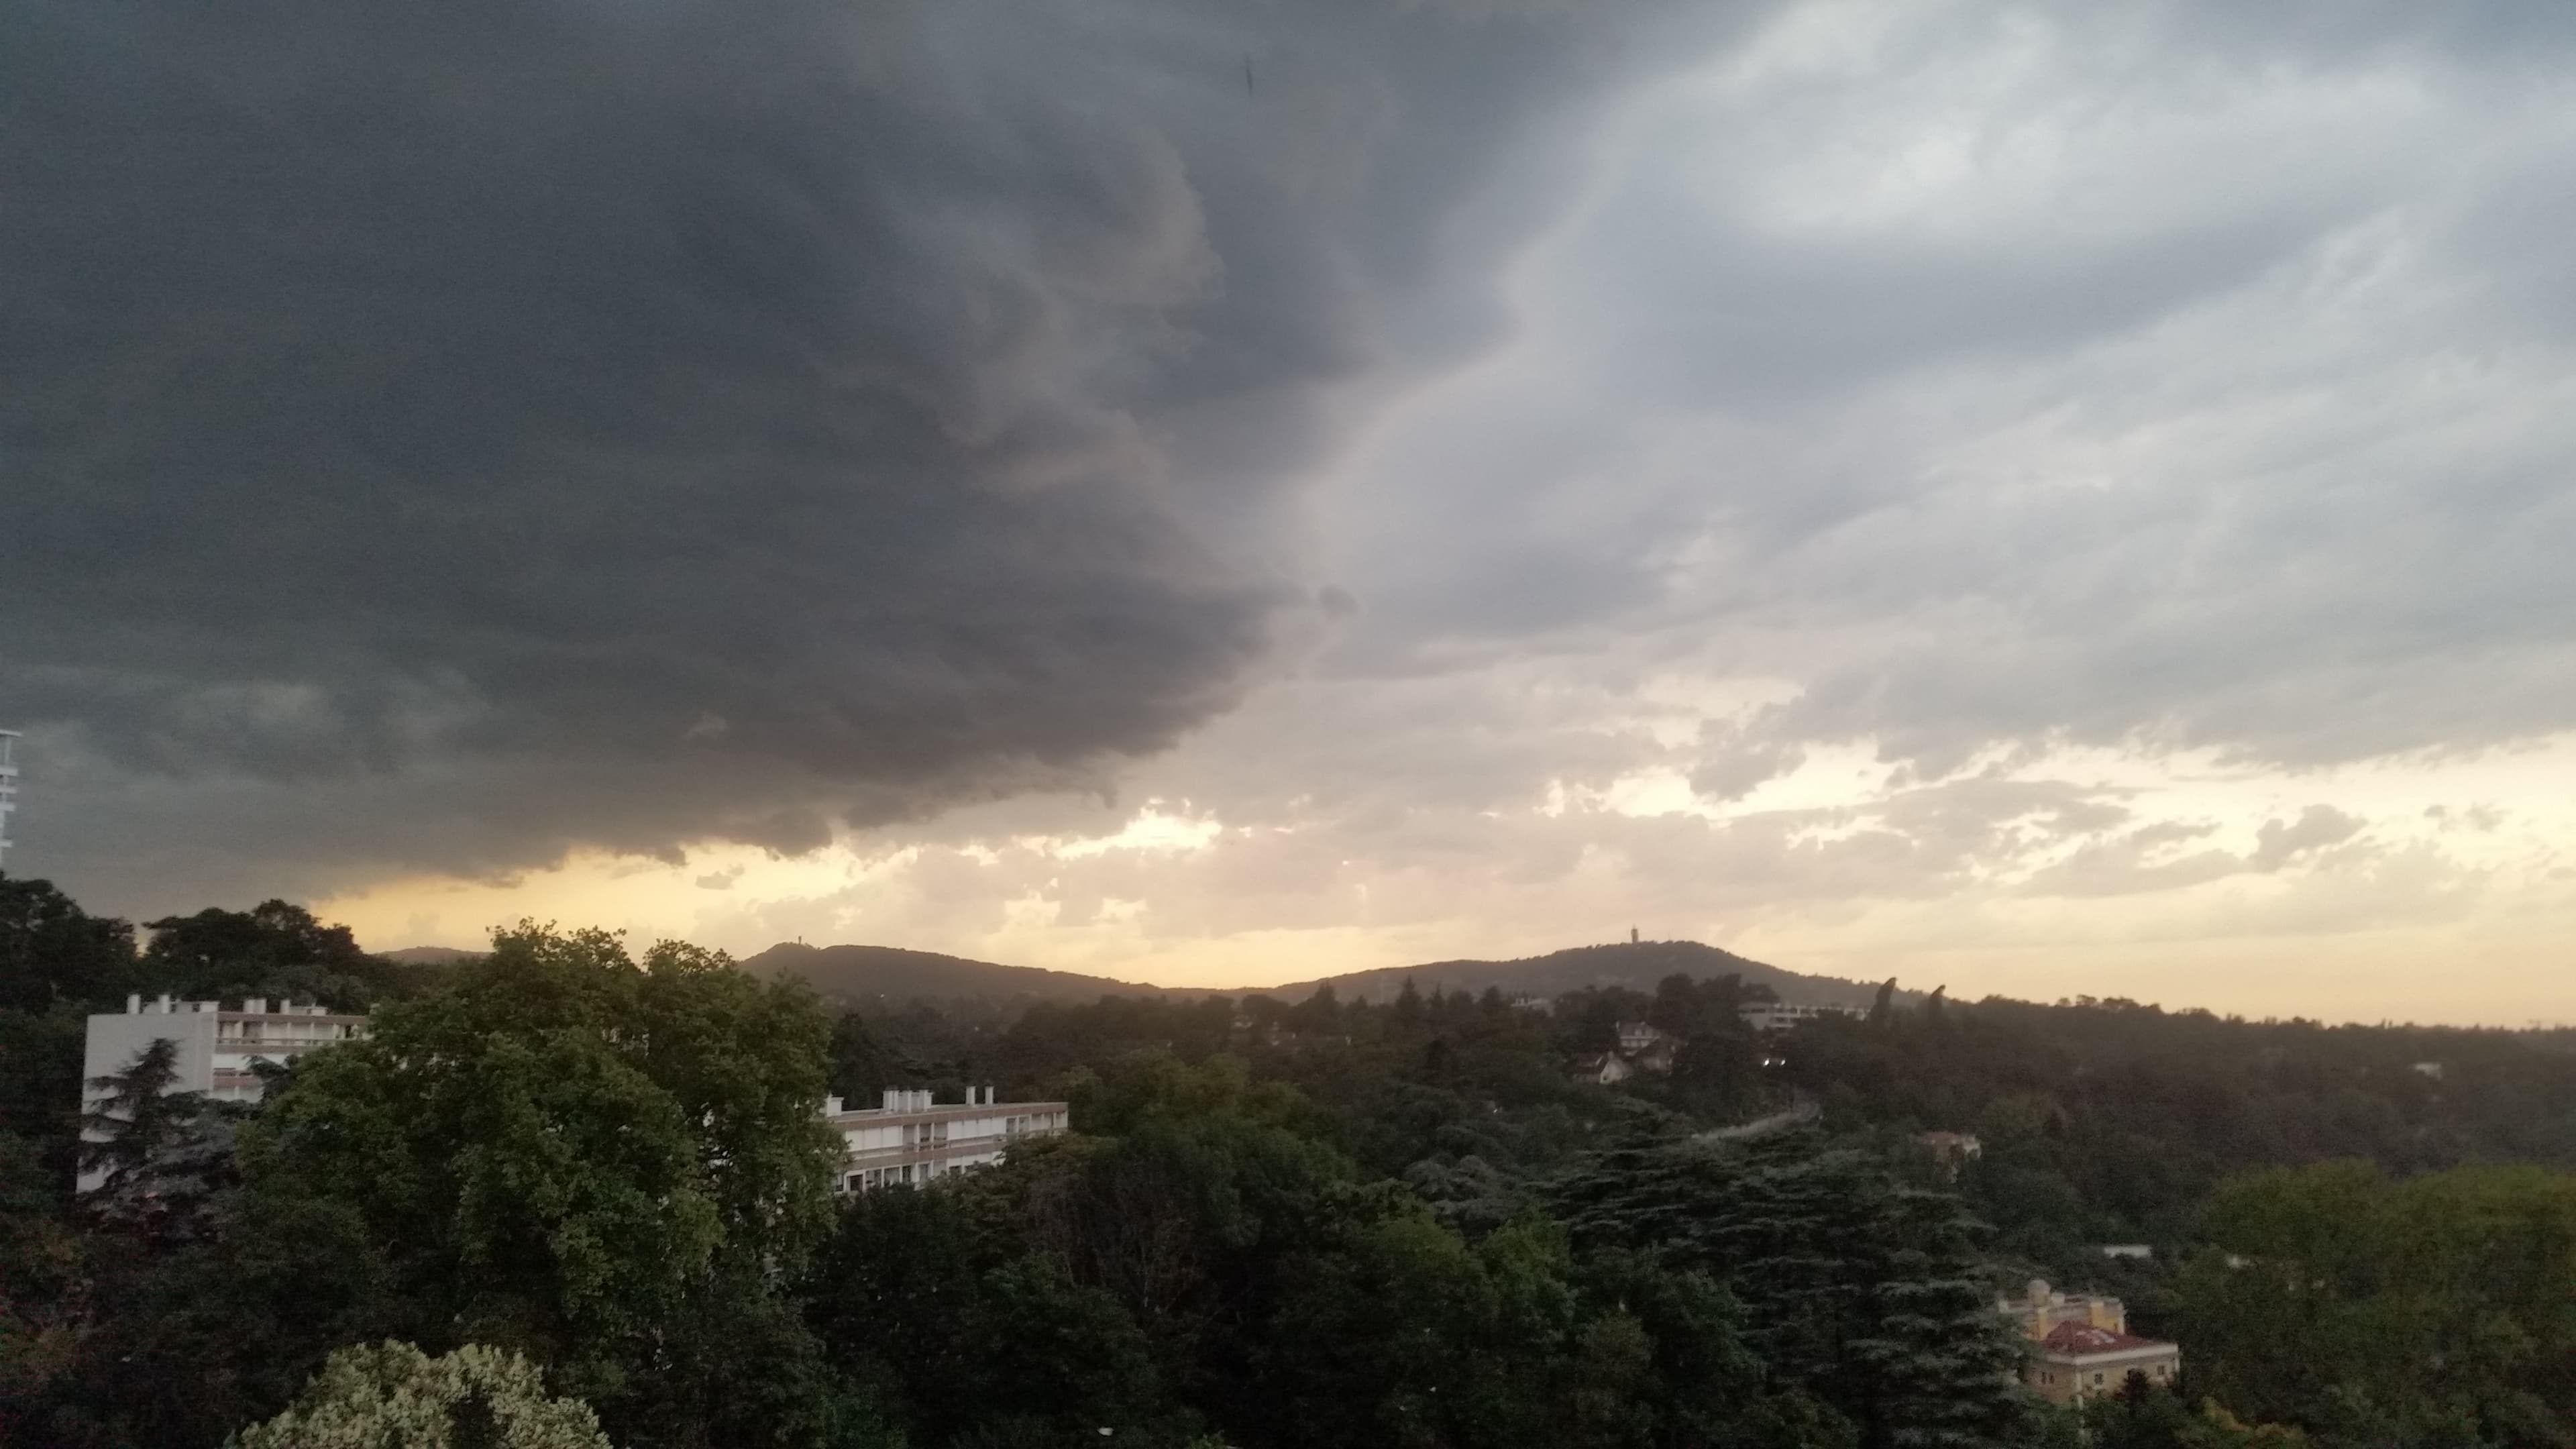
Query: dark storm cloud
(443,436)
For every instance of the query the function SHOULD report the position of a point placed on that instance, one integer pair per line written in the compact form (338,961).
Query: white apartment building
(8,787)
(1782,1015)
(216,1046)
(911,1139)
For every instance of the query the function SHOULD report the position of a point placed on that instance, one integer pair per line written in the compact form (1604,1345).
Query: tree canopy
(569,1175)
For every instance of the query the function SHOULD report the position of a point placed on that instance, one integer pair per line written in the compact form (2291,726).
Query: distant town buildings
(1643,1047)
(1607,1068)
(217,1048)
(1639,1036)
(2140,1251)
(911,1139)
(2079,1345)
(1782,1015)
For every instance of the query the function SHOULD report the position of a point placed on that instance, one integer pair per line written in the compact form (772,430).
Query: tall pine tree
(1862,1292)
(165,1154)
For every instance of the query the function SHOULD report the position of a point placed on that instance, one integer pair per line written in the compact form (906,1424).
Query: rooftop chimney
(255,1005)
(164,1006)
(134,1004)
(893,1100)
(831,1106)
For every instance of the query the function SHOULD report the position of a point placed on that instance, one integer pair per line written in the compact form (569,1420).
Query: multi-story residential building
(216,1047)
(2080,1345)
(911,1139)
(2077,1362)
(8,787)
(1782,1015)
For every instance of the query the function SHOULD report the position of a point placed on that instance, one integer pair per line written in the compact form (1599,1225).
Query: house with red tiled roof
(2077,1362)
(2080,1346)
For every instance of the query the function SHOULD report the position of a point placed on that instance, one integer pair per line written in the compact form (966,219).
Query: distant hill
(1634,964)
(430,955)
(861,975)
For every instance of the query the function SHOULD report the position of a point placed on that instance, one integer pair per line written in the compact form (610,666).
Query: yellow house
(2081,1347)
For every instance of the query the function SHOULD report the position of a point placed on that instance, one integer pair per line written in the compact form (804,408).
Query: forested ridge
(572,1194)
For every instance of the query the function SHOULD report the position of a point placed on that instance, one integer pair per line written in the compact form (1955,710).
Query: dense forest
(565,1194)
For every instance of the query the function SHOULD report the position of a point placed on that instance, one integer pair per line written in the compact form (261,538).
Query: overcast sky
(2049,500)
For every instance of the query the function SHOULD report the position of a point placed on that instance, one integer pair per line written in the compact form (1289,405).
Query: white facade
(1638,1036)
(911,1139)
(216,1046)
(1782,1015)
(8,788)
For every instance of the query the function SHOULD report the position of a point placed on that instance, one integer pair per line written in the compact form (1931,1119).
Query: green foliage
(1322,1222)
(40,1087)
(163,1154)
(2148,1417)
(198,1338)
(274,950)
(393,1396)
(969,1332)
(1863,1292)
(1218,1260)
(566,1155)
(2107,1121)
(2436,1310)
(862,1063)
(1395,1330)
(51,951)
(42,1289)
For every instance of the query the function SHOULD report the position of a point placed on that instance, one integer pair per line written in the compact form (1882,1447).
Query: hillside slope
(1634,964)
(864,975)
(431,955)
(867,975)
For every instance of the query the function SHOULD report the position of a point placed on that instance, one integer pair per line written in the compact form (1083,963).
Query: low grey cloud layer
(2149,377)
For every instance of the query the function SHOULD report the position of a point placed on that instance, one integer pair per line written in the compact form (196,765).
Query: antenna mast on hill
(8,788)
